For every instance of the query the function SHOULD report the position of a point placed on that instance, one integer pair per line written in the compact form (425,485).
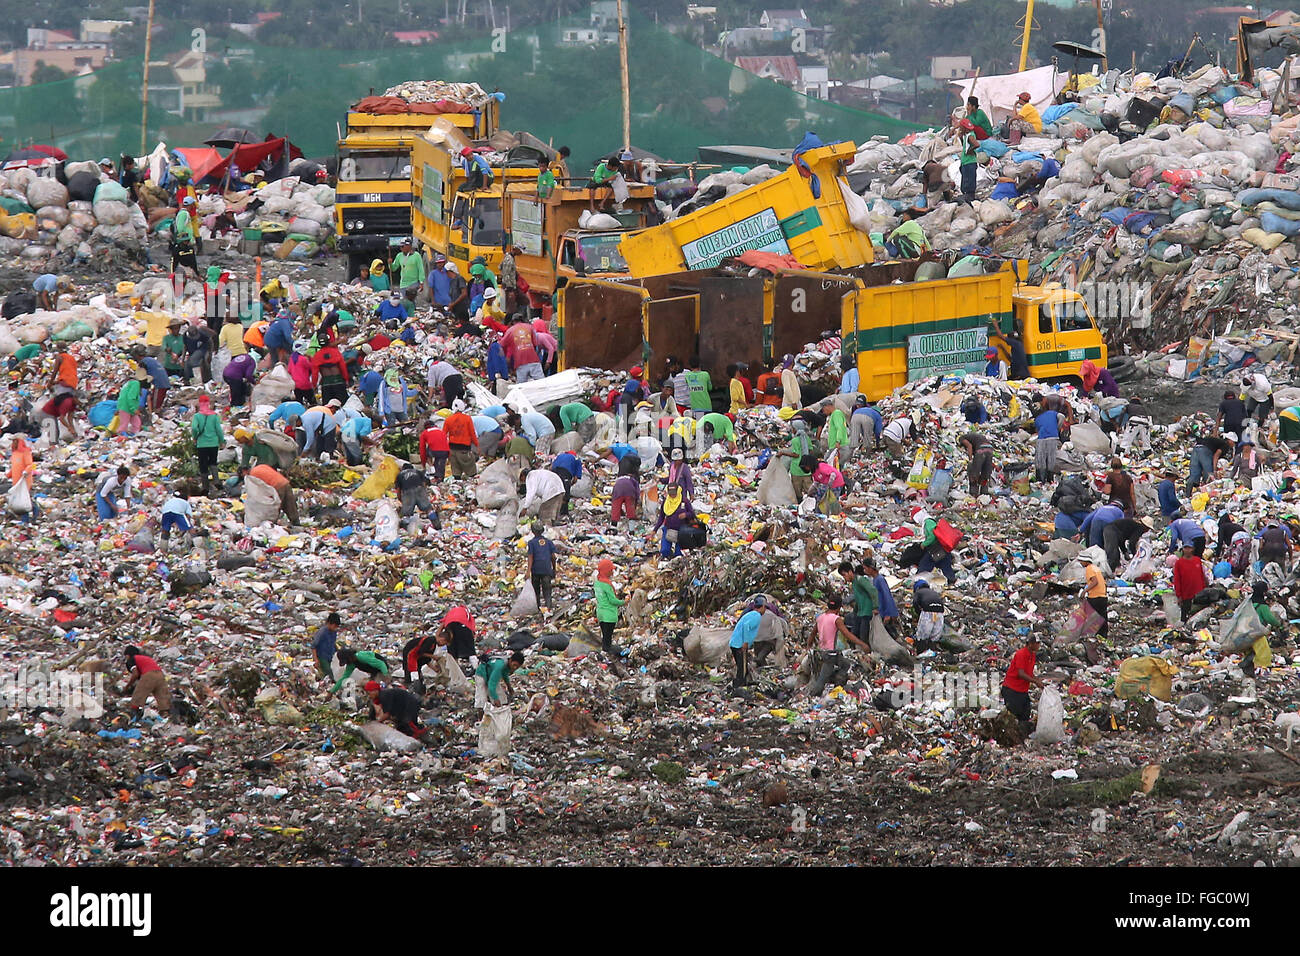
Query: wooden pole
(1101,34)
(622,64)
(144,95)
(1024,41)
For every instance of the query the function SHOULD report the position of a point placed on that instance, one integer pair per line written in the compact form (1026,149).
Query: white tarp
(997,94)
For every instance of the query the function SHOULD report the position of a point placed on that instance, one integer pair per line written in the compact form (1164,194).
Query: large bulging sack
(383,737)
(1089,439)
(112,213)
(707,645)
(82,186)
(379,482)
(1051,717)
(494,731)
(276,386)
(886,647)
(776,489)
(1145,675)
(46,192)
(507,523)
(110,192)
(497,485)
(261,502)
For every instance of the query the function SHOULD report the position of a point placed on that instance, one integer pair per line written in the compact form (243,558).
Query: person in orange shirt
(22,469)
(63,382)
(769,388)
(462,439)
(281,484)
(1095,592)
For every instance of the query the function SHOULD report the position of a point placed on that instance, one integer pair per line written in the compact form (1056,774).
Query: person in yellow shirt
(736,389)
(1026,121)
(155,324)
(232,336)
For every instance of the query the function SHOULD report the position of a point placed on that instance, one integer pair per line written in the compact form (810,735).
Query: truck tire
(1123,368)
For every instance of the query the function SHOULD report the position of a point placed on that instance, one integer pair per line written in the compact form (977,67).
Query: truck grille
(379,220)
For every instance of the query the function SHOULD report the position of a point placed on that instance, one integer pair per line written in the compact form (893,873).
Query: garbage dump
(282,576)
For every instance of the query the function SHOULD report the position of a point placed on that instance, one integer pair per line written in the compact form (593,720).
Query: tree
(47,73)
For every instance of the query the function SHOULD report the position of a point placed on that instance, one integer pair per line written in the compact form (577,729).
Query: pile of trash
(295,218)
(1188,186)
(41,217)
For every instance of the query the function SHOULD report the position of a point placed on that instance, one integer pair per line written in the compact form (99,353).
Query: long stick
(144,96)
(1101,33)
(622,63)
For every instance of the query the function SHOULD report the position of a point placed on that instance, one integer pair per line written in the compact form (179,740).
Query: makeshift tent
(998,94)
(200,159)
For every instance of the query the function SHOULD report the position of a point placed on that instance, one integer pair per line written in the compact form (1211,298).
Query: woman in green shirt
(128,404)
(864,599)
(208,438)
(368,661)
(1260,653)
(607,603)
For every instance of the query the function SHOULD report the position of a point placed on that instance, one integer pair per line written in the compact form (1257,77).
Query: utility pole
(144,94)
(1024,43)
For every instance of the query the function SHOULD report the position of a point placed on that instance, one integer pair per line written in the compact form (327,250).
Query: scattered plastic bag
(1145,675)
(386,523)
(1083,622)
(1240,631)
(379,482)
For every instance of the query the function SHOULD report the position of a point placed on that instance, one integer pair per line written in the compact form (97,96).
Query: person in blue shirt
(489,432)
(319,432)
(1167,493)
(1186,531)
(286,412)
(497,366)
(742,639)
(865,418)
(278,337)
(353,426)
(849,380)
(995,368)
(324,644)
(439,284)
(1047,423)
(392,311)
(570,463)
(371,383)
(160,380)
(537,428)
(886,606)
(973,411)
(47,288)
(478,174)
(1095,523)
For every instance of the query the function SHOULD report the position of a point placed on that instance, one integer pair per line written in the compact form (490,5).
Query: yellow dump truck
(373,197)
(895,328)
(465,225)
(899,333)
(781,215)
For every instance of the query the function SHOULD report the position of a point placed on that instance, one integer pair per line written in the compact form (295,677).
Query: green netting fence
(682,97)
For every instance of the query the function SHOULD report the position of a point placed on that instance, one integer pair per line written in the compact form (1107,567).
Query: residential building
(782,69)
(179,84)
(101,31)
(67,54)
(814,80)
(950,67)
(783,22)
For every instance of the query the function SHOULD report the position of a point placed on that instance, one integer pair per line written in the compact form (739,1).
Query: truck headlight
(361,224)
(351,224)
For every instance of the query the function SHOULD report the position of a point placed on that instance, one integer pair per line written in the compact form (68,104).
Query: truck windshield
(360,166)
(487,227)
(600,253)
(1072,317)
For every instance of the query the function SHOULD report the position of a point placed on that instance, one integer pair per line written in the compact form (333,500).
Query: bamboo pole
(144,95)
(622,63)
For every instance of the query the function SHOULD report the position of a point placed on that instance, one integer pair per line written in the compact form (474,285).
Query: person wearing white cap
(1094,591)
(106,173)
(491,314)
(457,293)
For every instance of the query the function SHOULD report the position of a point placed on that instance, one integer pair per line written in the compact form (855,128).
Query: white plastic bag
(1051,717)
(386,522)
(526,604)
(507,523)
(261,502)
(494,730)
(776,489)
(708,645)
(1173,609)
(858,210)
(1240,631)
(382,737)
(20,498)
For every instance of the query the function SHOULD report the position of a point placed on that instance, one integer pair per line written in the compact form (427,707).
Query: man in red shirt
(1015,686)
(1189,579)
(462,439)
(520,347)
(332,373)
(433,444)
(148,680)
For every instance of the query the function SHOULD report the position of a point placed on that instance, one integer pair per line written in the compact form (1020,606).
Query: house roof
(785,14)
(783,66)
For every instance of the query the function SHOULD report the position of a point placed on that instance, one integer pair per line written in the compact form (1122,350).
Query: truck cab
(1058,331)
